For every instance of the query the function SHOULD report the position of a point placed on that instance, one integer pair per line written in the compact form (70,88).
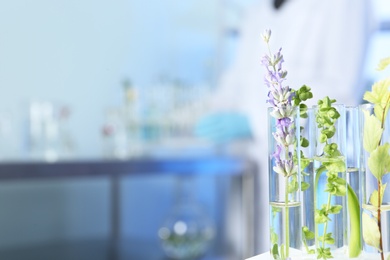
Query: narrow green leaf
(355,243)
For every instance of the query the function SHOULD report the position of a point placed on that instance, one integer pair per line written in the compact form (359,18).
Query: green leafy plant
(379,159)
(302,95)
(332,162)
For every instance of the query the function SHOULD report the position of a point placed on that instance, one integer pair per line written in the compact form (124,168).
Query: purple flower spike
(280,98)
(266,61)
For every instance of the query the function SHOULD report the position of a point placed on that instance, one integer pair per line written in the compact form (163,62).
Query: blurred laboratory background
(98,156)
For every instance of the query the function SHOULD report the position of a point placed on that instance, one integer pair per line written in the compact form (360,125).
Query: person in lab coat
(323,44)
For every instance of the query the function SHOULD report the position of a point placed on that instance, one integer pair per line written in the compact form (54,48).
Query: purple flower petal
(276,154)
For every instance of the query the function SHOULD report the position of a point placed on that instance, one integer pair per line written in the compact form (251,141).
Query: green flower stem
(287,220)
(355,242)
(326,223)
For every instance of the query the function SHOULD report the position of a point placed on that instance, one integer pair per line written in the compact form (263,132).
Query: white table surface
(364,256)
(267,256)
(264,256)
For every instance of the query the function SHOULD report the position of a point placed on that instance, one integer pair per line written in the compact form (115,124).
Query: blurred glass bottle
(66,139)
(131,118)
(115,139)
(43,128)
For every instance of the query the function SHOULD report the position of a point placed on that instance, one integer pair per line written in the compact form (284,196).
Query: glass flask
(188,231)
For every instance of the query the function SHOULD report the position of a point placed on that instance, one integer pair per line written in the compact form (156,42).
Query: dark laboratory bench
(12,170)
(114,170)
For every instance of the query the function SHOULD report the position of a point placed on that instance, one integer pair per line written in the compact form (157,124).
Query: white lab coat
(323,44)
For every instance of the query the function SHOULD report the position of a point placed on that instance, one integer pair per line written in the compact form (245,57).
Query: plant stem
(383,115)
(287,211)
(379,220)
(287,220)
(326,223)
(380,184)
(306,246)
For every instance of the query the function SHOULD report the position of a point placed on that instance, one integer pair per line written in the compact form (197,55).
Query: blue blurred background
(87,56)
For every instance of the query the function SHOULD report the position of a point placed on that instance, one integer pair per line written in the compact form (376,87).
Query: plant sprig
(300,96)
(332,162)
(284,100)
(283,110)
(379,159)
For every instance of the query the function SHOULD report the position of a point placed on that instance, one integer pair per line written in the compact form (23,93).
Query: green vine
(332,163)
(301,95)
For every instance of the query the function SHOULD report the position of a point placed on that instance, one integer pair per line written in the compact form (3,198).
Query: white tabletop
(267,256)
(264,256)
